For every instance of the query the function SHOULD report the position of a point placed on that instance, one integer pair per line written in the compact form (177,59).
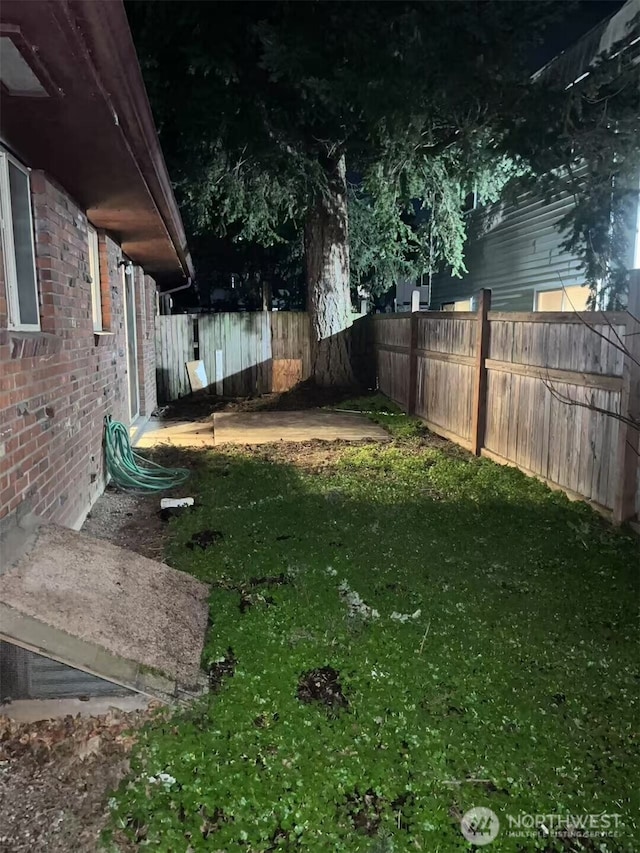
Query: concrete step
(105,610)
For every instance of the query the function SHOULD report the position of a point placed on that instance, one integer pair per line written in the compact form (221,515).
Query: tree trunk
(328,296)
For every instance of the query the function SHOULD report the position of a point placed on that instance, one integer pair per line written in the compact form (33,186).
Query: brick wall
(58,384)
(146,292)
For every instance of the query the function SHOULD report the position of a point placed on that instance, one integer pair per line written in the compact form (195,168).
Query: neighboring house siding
(58,384)
(513,250)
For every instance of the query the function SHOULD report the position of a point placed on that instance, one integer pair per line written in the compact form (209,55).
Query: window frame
(563,310)
(94,273)
(8,246)
(538,291)
(453,310)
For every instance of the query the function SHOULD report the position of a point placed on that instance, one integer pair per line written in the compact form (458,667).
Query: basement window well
(27,675)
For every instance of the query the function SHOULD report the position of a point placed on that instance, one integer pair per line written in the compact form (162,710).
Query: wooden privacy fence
(175,345)
(547,392)
(243,353)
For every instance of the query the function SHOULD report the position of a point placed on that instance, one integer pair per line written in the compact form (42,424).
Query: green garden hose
(129,470)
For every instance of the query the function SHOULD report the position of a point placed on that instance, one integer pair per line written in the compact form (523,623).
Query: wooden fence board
(543,373)
(291,338)
(393,375)
(585,470)
(174,348)
(244,341)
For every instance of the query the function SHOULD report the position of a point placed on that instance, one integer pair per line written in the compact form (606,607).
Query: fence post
(627,459)
(413,364)
(478,412)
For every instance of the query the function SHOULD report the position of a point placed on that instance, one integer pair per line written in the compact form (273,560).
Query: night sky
(578,22)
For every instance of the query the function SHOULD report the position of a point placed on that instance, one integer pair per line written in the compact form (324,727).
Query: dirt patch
(306,395)
(56,776)
(129,520)
(211,822)
(264,721)
(279,840)
(313,456)
(365,811)
(322,685)
(269,580)
(204,539)
(221,669)
(248,600)
(400,805)
(170,512)
(134,520)
(249,597)
(317,456)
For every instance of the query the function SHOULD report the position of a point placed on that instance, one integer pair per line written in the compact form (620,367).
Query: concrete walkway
(176,433)
(269,427)
(105,610)
(261,428)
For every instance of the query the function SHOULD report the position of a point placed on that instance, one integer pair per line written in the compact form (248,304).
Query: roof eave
(107,34)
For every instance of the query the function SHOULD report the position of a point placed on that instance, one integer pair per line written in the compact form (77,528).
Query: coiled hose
(129,470)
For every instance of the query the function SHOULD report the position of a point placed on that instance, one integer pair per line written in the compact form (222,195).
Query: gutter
(573,64)
(107,37)
(186,286)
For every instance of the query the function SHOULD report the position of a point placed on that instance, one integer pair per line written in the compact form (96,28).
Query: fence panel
(236,351)
(445,351)
(174,347)
(547,377)
(243,353)
(390,339)
(548,392)
(291,347)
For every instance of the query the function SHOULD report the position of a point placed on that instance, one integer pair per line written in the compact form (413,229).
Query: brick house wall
(57,385)
(146,291)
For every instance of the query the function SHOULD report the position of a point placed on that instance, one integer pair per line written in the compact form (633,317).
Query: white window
(17,245)
(94,272)
(567,299)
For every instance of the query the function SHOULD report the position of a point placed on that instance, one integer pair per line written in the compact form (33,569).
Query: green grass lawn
(475,635)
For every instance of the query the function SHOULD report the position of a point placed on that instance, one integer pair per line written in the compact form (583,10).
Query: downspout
(176,289)
(180,287)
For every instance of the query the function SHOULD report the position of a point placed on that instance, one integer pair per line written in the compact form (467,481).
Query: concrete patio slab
(270,427)
(176,433)
(107,611)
